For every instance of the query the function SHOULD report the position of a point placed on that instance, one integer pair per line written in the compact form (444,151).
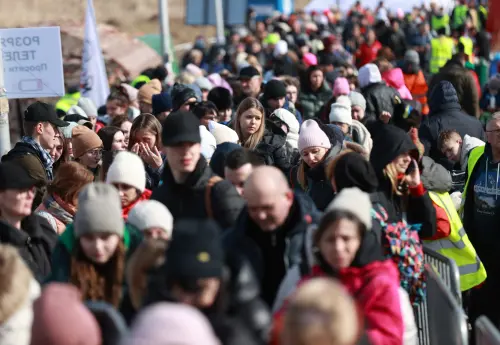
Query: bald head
(266,179)
(268,196)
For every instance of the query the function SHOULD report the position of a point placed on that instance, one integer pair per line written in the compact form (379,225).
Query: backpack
(402,244)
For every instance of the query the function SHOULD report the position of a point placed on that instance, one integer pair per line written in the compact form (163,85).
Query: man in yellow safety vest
(480,212)
(441,50)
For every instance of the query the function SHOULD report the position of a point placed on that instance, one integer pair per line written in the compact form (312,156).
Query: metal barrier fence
(447,270)
(440,319)
(486,332)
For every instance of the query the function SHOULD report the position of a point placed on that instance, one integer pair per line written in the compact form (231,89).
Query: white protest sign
(32,62)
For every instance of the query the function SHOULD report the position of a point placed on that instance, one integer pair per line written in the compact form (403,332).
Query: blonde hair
(391,173)
(185,78)
(321,312)
(254,139)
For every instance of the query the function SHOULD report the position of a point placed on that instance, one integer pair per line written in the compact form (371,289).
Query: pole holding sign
(4,113)
(32,62)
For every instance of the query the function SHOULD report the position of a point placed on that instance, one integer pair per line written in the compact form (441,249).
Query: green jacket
(312,102)
(61,256)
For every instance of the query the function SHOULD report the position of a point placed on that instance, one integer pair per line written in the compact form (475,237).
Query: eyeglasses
(95,152)
(495,132)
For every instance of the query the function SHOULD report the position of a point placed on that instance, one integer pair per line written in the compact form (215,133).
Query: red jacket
(376,290)
(144,196)
(366,53)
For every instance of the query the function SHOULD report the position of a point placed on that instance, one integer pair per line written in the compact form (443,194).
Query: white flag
(93,80)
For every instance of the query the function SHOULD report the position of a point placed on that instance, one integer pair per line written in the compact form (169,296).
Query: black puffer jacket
(187,200)
(379,97)
(445,114)
(389,143)
(273,253)
(272,147)
(35,243)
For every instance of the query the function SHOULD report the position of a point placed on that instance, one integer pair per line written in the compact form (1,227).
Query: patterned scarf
(59,209)
(44,155)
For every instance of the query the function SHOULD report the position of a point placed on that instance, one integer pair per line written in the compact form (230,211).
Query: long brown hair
(98,283)
(146,122)
(70,178)
(254,139)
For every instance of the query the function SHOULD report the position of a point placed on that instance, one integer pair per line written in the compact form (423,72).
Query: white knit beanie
(127,168)
(312,136)
(355,201)
(340,111)
(369,74)
(151,214)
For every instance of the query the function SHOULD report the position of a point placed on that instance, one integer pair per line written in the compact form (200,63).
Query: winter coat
(437,179)
(390,142)
(464,84)
(273,149)
(35,243)
(58,213)
(312,101)
(318,188)
(445,113)
(379,97)
(31,161)
(468,143)
(16,330)
(374,283)
(146,195)
(287,242)
(417,85)
(153,175)
(62,257)
(395,40)
(187,200)
(237,308)
(366,54)
(395,79)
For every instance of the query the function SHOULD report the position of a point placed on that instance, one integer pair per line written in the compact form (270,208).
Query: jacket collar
(30,227)
(201,172)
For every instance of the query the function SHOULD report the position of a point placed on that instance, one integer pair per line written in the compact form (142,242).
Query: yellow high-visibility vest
(474,156)
(440,22)
(460,15)
(67,101)
(457,245)
(442,51)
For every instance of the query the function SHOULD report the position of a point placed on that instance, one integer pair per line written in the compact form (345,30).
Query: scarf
(59,209)
(43,155)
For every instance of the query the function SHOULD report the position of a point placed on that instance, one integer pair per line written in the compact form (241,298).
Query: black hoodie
(445,114)
(388,143)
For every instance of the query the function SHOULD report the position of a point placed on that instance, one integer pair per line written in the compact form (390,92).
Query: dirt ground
(136,17)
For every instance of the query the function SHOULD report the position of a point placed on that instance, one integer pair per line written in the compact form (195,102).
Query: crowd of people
(280,192)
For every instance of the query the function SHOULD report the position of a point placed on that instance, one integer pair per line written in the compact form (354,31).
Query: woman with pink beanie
(309,176)
(341,87)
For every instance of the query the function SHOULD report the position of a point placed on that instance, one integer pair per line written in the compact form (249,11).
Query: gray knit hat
(87,106)
(357,99)
(355,201)
(412,56)
(99,210)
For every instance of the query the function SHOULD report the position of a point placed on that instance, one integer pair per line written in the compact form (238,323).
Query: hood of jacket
(468,143)
(389,142)
(435,177)
(274,135)
(394,78)
(369,74)
(443,97)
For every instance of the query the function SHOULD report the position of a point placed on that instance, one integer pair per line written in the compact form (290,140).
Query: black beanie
(196,250)
(180,127)
(180,94)
(353,170)
(274,89)
(221,97)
